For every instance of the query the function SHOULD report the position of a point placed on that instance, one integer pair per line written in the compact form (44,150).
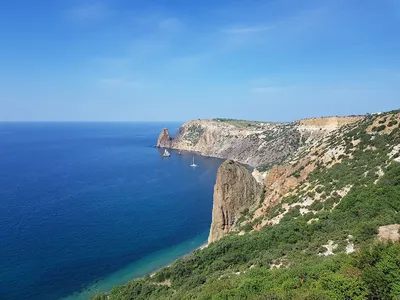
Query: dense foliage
(241,267)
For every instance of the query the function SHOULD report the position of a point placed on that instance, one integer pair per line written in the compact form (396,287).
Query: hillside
(249,142)
(319,225)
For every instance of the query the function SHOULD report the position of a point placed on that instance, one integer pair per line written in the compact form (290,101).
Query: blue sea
(86,206)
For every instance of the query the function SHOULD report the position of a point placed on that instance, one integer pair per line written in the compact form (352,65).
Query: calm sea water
(86,206)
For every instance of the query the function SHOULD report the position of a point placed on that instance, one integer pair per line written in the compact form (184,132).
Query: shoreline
(203,246)
(249,167)
(146,266)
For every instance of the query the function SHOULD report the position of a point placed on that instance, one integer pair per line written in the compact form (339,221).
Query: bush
(379,128)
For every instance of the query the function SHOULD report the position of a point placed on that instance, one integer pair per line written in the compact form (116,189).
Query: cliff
(259,144)
(326,169)
(325,144)
(235,190)
(250,142)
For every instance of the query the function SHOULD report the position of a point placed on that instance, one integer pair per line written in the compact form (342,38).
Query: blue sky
(153,60)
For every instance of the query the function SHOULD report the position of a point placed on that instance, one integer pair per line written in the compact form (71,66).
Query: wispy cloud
(89,12)
(248,29)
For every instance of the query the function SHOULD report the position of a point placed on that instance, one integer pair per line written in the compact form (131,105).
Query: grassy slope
(239,267)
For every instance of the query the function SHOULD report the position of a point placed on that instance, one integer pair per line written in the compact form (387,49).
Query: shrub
(379,128)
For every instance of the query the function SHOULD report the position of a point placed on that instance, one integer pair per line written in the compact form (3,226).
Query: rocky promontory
(284,154)
(253,143)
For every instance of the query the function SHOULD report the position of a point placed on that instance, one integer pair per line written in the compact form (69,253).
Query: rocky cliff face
(248,142)
(289,152)
(164,139)
(307,183)
(234,191)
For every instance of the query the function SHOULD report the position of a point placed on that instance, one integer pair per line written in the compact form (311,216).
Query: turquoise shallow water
(144,266)
(84,207)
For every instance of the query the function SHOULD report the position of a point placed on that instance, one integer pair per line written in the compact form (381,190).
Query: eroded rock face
(255,143)
(234,191)
(329,122)
(280,180)
(164,139)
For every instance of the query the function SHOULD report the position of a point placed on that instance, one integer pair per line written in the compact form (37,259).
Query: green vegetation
(241,123)
(194,133)
(379,128)
(265,167)
(239,267)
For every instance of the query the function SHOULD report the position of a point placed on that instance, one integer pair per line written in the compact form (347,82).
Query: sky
(176,60)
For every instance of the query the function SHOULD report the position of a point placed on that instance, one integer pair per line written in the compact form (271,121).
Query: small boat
(193,164)
(179,152)
(166,153)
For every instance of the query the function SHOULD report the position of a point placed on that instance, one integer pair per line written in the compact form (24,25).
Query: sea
(87,206)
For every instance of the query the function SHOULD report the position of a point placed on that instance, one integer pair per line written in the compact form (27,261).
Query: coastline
(247,166)
(148,265)
(205,245)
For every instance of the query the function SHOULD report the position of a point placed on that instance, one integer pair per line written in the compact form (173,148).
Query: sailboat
(193,164)
(166,153)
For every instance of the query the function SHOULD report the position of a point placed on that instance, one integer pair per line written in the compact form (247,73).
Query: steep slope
(316,233)
(249,142)
(321,173)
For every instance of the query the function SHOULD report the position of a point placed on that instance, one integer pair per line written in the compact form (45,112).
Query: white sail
(193,164)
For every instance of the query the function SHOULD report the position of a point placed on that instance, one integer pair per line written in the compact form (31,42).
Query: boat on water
(193,164)
(179,152)
(166,153)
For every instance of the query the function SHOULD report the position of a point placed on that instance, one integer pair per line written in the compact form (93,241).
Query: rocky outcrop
(330,122)
(255,145)
(164,139)
(279,181)
(259,176)
(252,143)
(389,233)
(234,191)
(285,152)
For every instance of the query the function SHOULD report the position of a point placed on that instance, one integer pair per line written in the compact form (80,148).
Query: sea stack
(234,191)
(164,139)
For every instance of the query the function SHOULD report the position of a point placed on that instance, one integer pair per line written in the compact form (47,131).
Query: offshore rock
(164,139)
(234,191)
